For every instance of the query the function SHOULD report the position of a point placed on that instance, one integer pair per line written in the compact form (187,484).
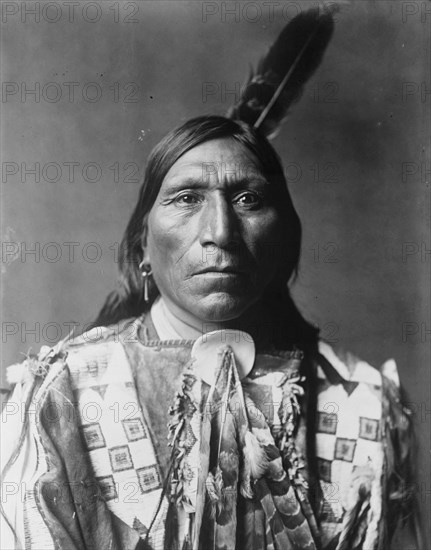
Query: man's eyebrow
(182,183)
(199,182)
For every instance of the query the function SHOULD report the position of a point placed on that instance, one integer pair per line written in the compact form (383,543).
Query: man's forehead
(221,159)
(211,172)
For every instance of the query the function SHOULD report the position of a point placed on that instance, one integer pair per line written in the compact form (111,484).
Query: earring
(146,273)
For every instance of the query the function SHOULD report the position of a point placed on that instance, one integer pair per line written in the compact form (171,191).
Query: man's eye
(187,198)
(248,199)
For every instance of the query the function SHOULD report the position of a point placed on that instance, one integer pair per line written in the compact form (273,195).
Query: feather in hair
(282,73)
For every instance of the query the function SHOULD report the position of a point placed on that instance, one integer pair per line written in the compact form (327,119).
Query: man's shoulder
(91,351)
(354,369)
(100,334)
(343,374)
(348,366)
(99,353)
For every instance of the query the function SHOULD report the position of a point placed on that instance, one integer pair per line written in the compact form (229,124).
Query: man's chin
(220,307)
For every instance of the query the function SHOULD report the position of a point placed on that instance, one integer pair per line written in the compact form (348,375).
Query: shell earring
(146,273)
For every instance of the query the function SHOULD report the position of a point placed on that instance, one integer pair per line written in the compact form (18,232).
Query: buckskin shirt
(89,422)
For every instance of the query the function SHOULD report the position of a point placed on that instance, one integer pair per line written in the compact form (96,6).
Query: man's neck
(259,321)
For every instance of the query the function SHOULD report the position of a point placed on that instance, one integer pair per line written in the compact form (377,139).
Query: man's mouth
(221,270)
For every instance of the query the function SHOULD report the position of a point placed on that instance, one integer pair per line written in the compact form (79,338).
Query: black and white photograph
(215,267)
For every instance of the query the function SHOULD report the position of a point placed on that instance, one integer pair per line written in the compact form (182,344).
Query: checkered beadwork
(327,422)
(134,429)
(120,458)
(115,432)
(324,469)
(149,478)
(369,428)
(93,436)
(344,449)
(347,439)
(107,487)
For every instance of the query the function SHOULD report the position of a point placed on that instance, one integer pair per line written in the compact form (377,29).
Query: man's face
(214,233)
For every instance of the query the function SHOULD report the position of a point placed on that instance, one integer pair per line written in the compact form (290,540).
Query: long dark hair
(128,299)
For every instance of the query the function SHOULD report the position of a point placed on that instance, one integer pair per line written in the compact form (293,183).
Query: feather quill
(282,73)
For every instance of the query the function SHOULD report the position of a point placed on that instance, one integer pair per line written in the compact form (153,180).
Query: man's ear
(146,257)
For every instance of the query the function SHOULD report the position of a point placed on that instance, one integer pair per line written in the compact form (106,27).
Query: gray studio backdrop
(90,87)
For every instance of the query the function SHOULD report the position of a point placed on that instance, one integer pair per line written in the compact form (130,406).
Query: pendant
(208,351)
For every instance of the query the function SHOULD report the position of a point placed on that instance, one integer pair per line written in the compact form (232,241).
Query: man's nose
(219,223)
